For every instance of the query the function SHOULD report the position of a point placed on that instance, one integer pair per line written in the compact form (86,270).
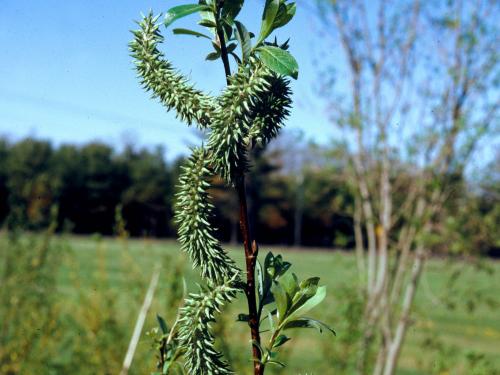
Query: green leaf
(268,297)
(228,31)
(281,300)
(308,323)
(212,56)
(279,61)
(271,321)
(313,301)
(277,266)
(260,281)
(290,283)
(236,57)
(270,12)
(312,281)
(182,11)
(243,38)
(166,367)
(277,363)
(268,259)
(269,264)
(308,289)
(180,31)
(231,9)
(162,324)
(216,47)
(280,340)
(207,23)
(285,14)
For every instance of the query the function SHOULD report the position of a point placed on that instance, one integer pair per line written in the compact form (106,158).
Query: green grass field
(437,331)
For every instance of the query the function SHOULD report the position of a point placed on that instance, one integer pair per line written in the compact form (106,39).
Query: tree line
(297,199)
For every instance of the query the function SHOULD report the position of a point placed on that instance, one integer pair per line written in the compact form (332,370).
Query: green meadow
(101,283)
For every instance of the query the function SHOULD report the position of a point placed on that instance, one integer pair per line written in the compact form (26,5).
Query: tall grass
(68,306)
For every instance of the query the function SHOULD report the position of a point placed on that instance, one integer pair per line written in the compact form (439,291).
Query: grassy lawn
(126,269)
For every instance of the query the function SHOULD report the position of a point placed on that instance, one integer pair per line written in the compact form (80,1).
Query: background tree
(101,182)
(31,190)
(422,81)
(267,192)
(147,200)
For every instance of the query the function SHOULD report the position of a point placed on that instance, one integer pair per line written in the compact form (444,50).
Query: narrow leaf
(243,38)
(308,323)
(228,31)
(180,31)
(277,363)
(207,23)
(182,11)
(231,47)
(270,12)
(281,300)
(162,323)
(309,282)
(212,56)
(280,340)
(285,14)
(236,57)
(260,281)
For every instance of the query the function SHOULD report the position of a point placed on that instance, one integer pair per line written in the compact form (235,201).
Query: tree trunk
(395,347)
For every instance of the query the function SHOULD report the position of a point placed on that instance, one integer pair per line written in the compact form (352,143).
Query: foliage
(29,184)
(292,300)
(29,308)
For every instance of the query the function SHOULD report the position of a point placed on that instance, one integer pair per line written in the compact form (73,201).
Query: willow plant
(248,113)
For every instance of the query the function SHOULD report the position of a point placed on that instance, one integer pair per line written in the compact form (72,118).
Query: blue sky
(66,74)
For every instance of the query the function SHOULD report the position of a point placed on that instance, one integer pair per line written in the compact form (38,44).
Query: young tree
(247,114)
(423,90)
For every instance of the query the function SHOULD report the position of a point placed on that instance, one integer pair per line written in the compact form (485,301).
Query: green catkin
(250,111)
(228,139)
(158,76)
(193,211)
(195,332)
(270,110)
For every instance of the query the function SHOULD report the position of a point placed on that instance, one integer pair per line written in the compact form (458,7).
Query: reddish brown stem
(251,251)
(250,246)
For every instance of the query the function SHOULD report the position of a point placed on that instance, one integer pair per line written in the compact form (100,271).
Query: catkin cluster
(249,112)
